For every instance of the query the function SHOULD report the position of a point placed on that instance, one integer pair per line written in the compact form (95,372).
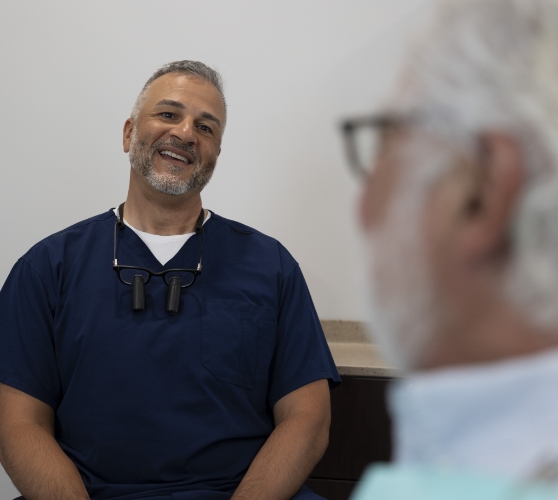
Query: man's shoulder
(262,244)
(85,224)
(433,483)
(75,232)
(239,227)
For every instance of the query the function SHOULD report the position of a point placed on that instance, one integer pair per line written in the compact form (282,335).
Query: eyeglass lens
(127,275)
(366,144)
(186,278)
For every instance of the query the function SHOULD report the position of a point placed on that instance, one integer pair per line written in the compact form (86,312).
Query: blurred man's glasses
(364,138)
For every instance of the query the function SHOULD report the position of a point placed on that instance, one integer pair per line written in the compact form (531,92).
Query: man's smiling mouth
(175,156)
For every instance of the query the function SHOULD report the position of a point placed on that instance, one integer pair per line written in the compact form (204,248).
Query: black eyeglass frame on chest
(169,276)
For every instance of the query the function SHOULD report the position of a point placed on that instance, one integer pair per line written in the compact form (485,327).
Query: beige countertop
(352,350)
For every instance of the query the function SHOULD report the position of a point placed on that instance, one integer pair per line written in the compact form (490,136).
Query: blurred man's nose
(377,194)
(366,206)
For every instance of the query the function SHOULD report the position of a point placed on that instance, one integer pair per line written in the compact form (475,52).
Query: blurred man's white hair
(492,65)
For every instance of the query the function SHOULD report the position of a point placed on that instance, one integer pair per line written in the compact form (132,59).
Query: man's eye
(205,128)
(167,114)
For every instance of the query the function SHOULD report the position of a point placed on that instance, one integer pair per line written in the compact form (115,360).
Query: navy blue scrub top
(150,404)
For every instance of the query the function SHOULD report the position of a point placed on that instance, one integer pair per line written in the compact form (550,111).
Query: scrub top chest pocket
(237,341)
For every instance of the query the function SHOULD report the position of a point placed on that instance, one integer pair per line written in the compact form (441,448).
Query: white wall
(70,72)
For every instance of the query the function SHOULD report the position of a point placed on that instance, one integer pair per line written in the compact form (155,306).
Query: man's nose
(184,131)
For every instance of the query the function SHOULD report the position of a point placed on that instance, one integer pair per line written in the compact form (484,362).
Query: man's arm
(299,440)
(31,456)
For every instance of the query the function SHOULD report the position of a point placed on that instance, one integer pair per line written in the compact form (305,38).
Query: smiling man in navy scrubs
(135,385)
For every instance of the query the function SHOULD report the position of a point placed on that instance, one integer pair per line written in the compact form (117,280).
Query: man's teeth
(174,155)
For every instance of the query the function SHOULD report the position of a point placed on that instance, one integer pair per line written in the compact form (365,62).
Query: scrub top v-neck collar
(165,247)
(137,248)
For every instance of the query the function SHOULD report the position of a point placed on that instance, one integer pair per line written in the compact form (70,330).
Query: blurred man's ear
(498,171)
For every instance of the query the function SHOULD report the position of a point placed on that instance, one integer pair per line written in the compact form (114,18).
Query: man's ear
(499,172)
(127,134)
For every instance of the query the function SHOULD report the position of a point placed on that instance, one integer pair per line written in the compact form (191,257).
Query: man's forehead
(183,88)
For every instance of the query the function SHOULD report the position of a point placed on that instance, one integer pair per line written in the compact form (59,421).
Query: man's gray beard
(141,160)
(402,305)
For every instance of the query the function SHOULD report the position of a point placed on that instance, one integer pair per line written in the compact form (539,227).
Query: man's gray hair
(190,68)
(492,65)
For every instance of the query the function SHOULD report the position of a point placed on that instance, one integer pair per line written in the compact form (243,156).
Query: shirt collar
(499,417)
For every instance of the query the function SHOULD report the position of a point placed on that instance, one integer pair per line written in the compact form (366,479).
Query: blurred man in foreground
(460,215)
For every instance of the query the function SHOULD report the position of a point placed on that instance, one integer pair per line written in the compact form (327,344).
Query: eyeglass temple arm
(199,229)
(114,260)
(201,250)
(120,224)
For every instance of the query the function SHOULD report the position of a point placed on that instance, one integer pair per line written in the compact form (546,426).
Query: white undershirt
(164,248)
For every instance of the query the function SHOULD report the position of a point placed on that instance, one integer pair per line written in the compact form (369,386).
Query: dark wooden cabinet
(360,435)
(332,489)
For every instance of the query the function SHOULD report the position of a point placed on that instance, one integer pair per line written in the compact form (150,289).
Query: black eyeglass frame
(349,126)
(195,272)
